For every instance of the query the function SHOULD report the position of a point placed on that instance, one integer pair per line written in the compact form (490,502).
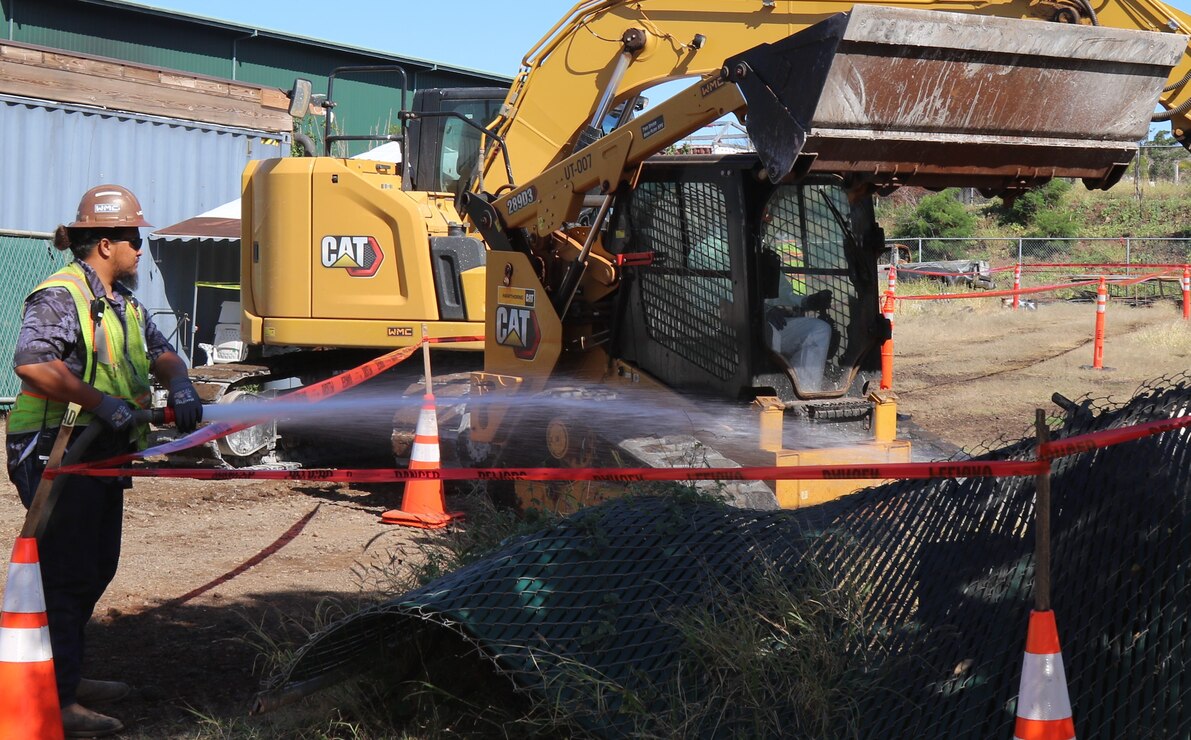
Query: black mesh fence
(582,615)
(685,224)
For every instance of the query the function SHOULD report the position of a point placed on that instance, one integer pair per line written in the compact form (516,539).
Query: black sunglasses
(134,242)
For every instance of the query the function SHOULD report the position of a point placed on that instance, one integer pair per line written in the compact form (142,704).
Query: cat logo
(517,327)
(359,255)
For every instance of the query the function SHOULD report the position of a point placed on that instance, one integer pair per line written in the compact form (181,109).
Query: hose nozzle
(159,416)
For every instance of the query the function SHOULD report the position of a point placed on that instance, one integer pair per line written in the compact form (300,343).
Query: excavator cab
(699,312)
(443,141)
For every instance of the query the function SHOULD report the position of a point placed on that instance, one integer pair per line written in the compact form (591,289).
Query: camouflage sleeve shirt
(50,329)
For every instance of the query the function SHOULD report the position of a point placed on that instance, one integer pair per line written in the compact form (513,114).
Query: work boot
(93,692)
(78,721)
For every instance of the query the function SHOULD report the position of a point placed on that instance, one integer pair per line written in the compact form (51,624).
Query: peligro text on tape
(889,471)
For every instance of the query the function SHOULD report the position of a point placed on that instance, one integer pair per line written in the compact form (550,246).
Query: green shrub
(938,215)
(1028,207)
(1057,224)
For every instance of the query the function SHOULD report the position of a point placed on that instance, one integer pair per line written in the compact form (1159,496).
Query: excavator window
(723,245)
(443,150)
(806,226)
(688,299)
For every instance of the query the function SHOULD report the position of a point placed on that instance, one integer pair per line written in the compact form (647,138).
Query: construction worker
(86,340)
(798,335)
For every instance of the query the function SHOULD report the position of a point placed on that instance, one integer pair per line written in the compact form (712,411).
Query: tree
(1161,155)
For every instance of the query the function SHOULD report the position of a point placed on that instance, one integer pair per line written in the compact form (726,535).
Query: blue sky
(478,34)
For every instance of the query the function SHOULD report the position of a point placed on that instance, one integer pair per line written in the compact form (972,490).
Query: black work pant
(78,553)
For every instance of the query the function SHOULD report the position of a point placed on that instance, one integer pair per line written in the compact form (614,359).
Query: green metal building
(366,104)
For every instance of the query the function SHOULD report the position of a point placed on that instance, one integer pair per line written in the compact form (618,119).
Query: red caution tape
(899,471)
(1025,291)
(310,393)
(995,293)
(1099,266)
(892,471)
(1110,437)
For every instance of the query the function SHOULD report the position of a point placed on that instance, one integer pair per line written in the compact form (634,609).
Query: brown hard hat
(109,207)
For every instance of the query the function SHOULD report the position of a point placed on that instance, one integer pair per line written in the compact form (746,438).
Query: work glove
(188,409)
(115,412)
(817,301)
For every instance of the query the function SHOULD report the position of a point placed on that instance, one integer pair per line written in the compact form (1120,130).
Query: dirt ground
(176,621)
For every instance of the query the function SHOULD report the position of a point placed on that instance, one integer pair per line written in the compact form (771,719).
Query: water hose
(49,489)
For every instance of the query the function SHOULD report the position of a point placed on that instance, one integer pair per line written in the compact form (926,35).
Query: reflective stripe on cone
(1043,704)
(29,698)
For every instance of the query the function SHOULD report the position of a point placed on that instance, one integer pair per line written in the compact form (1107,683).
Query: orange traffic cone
(1043,705)
(423,504)
(29,699)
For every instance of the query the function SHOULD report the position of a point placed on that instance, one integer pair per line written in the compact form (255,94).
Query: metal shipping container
(52,153)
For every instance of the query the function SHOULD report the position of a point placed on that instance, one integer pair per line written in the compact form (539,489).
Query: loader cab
(443,147)
(722,240)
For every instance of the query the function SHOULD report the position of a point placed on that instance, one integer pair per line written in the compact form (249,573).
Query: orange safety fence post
(29,697)
(1098,344)
(887,346)
(1016,286)
(1186,292)
(424,503)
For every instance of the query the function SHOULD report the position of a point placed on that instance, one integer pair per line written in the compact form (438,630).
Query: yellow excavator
(595,270)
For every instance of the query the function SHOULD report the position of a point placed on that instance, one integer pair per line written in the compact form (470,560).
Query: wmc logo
(359,255)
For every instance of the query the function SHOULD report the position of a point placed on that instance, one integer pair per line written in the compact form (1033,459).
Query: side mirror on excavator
(299,98)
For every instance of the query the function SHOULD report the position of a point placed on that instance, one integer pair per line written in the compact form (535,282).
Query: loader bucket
(901,96)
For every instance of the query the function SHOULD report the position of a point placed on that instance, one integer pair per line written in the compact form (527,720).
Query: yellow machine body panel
(340,256)
(523,341)
(794,493)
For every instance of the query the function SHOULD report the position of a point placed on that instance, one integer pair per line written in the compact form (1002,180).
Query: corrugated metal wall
(230,51)
(53,153)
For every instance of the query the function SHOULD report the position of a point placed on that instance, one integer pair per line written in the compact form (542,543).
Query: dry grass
(972,371)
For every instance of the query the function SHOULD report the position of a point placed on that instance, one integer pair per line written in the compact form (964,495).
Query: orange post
(890,305)
(1101,305)
(1016,286)
(29,699)
(1186,292)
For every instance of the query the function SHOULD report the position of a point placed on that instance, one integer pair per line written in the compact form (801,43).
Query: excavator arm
(604,53)
(887,96)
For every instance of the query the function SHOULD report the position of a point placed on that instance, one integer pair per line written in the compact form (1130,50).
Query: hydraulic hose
(1169,114)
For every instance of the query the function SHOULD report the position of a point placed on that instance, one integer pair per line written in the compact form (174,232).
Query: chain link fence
(1133,254)
(30,258)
